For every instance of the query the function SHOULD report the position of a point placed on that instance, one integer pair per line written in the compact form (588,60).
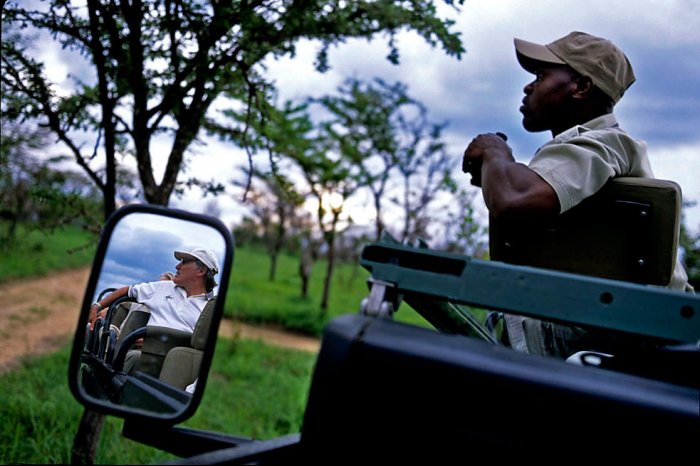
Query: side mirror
(150,354)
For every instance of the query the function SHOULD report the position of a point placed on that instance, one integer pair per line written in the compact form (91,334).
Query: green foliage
(391,148)
(38,252)
(40,416)
(32,188)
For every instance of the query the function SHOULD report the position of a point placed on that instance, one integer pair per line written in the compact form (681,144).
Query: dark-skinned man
(578,80)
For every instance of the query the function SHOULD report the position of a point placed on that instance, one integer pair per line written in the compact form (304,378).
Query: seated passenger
(174,303)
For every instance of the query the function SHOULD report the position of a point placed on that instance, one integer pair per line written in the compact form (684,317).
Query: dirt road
(40,315)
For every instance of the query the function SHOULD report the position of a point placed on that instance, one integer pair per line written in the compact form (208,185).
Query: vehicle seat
(181,364)
(627,231)
(137,316)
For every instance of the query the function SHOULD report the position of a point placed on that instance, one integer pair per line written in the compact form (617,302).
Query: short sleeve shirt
(579,161)
(169,304)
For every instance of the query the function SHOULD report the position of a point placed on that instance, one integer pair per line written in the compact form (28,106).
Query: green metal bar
(545,294)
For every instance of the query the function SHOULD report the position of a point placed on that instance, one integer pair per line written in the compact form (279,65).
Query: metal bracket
(383,301)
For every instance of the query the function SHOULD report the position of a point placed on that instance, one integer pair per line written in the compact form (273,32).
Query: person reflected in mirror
(165,276)
(579,78)
(175,303)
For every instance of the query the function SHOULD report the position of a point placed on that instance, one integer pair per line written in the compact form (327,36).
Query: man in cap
(178,303)
(578,80)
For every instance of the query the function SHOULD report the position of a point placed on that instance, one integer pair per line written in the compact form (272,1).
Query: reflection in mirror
(156,293)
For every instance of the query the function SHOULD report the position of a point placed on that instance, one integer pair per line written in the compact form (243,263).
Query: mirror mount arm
(180,441)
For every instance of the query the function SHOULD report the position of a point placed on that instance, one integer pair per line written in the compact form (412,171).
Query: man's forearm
(102,305)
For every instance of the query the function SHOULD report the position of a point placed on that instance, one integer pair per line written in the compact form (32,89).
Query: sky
(482,92)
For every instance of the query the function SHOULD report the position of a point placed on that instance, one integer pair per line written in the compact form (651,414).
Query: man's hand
(94,315)
(484,145)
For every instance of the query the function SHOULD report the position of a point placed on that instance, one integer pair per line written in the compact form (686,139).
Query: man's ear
(584,87)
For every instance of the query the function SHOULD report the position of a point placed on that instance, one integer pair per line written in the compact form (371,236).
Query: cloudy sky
(482,91)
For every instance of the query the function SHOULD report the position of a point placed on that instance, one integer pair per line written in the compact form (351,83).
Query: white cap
(205,256)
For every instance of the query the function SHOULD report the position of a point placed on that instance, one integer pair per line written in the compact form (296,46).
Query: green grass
(36,253)
(253,298)
(254,390)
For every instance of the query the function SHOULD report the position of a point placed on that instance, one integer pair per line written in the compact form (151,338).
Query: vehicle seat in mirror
(181,365)
(137,316)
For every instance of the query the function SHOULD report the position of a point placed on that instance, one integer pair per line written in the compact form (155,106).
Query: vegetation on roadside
(37,252)
(252,297)
(262,388)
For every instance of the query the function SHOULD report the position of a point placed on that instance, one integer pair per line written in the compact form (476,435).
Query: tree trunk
(329,275)
(273,267)
(306,265)
(87,437)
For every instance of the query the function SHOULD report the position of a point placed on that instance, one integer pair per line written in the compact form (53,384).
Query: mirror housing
(133,243)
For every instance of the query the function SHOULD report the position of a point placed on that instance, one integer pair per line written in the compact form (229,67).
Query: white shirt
(169,304)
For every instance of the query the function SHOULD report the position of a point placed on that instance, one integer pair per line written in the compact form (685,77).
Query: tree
(424,167)
(274,205)
(383,132)
(158,65)
(464,234)
(34,191)
(366,120)
(329,176)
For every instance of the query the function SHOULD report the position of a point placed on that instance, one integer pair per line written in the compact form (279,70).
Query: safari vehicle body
(384,391)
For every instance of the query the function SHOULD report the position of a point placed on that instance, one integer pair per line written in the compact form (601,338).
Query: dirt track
(39,315)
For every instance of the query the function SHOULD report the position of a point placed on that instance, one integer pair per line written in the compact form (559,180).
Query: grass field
(38,253)
(253,298)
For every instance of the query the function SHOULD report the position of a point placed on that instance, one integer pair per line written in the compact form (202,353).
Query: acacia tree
(364,123)
(385,134)
(329,177)
(158,65)
(274,203)
(424,167)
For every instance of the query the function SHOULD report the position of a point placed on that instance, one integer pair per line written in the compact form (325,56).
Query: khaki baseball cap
(591,56)
(205,256)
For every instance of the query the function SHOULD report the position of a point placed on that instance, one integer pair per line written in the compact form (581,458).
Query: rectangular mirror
(151,312)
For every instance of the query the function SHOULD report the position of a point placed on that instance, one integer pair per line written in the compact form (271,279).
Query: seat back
(627,231)
(181,364)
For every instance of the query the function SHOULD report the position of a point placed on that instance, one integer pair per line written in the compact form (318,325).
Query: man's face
(187,272)
(546,105)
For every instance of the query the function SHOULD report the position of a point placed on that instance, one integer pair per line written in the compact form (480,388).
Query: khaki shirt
(580,160)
